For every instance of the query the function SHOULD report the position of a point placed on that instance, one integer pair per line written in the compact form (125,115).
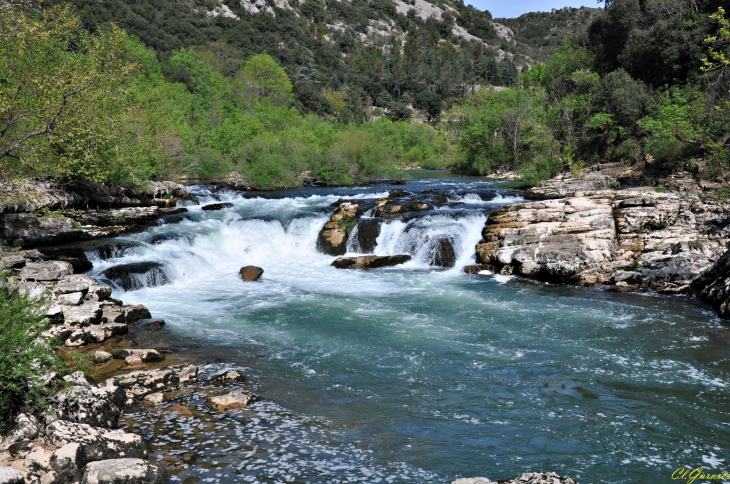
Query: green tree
(61,95)
(262,74)
(430,103)
(398,111)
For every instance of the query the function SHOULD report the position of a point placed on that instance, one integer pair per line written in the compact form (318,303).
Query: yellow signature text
(691,475)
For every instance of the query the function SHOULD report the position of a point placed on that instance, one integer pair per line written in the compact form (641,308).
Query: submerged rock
(146,355)
(155,325)
(137,275)
(217,206)
(526,478)
(250,273)
(229,376)
(370,261)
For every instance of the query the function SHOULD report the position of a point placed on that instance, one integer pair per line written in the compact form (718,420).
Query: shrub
(23,357)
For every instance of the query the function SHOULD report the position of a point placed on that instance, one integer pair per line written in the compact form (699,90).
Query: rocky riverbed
(585,232)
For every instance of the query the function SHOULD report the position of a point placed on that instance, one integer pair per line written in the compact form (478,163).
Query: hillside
(539,34)
(384,51)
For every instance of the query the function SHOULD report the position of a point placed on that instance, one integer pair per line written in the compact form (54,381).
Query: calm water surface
(413,374)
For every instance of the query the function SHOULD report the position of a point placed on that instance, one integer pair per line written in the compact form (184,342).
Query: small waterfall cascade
(279,235)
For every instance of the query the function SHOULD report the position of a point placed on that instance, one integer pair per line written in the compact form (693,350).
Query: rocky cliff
(40,212)
(629,239)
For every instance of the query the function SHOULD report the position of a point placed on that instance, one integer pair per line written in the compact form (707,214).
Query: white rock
(38,460)
(71,299)
(155,398)
(26,428)
(96,443)
(230,401)
(124,471)
(8,475)
(67,462)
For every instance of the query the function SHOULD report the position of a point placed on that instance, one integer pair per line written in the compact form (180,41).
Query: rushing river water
(418,374)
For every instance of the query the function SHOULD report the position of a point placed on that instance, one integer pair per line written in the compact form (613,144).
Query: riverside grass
(24,356)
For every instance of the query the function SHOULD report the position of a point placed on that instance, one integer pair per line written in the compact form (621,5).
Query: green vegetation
(363,48)
(651,93)
(191,115)
(23,357)
(61,95)
(285,96)
(539,34)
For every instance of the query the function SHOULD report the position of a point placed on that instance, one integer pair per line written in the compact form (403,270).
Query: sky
(515,8)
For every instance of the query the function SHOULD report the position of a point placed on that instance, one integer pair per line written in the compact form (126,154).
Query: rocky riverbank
(665,239)
(76,438)
(37,213)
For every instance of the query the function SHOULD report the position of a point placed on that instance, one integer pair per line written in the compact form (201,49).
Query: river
(414,373)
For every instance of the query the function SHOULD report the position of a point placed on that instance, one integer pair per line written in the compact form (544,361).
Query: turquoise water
(416,374)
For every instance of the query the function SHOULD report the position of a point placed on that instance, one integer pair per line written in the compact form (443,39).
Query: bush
(23,357)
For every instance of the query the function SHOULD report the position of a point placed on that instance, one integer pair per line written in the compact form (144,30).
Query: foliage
(506,129)
(716,58)
(62,94)
(23,356)
(364,46)
(430,103)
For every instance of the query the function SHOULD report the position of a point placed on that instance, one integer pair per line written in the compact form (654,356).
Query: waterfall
(279,235)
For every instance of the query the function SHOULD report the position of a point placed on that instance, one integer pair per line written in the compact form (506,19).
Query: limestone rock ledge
(633,237)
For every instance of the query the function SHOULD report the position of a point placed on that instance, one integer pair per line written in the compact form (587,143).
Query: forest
(280,98)
(646,85)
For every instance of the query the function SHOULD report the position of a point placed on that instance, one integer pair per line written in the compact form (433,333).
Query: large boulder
(332,239)
(76,256)
(90,334)
(67,462)
(82,316)
(96,443)
(228,376)
(368,230)
(138,384)
(370,261)
(552,240)
(125,471)
(250,273)
(46,271)
(135,312)
(88,405)
(441,253)
(713,286)
(38,460)
(26,427)
(137,275)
